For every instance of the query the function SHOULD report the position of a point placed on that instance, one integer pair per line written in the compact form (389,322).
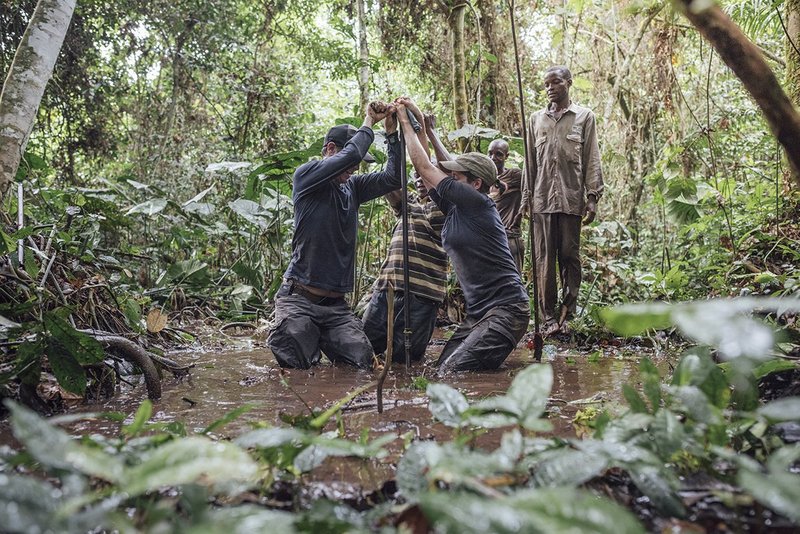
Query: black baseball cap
(341,134)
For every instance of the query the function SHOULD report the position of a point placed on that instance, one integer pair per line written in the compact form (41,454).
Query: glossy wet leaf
(777,489)
(245,520)
(544,511)
(321,447)
(52,447)
(27,504)
(568,467)
(634,400)
(658,484)
(190,460)
(446,403)
(697,368)
(266,438)
(411,469)
(530,390)
(697,405)
(251,211)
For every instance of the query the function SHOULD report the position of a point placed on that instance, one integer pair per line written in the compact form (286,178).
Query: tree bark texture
(793,50)
(745,60)
(27,78)
(363,57)
(499,105)
(460,102)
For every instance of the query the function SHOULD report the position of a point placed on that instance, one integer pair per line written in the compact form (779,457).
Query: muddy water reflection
(222,381)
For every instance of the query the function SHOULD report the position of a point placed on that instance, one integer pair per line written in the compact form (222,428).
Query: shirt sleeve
(375,184)
(529,166)
(592,173)
(314,174)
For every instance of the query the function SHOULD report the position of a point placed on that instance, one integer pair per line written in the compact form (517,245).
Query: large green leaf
(322,447)
(190,460)
(568,467)
(252,212)
(777,488)
(54,448)
(245,520)
(446,404)
(83,348)
(545,511)
(27,504)
(634,319)
(530,390)
(149,208)
(67,370)
(786,409)
(658,483)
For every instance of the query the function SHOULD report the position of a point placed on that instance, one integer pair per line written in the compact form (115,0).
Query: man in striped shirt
(427,263)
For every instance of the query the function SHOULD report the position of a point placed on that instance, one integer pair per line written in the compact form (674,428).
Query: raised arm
(438,147)
(420,159)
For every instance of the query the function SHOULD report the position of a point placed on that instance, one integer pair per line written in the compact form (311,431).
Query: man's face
(557,86)
(498,151)
(330,150)
(422,191)
(461,177)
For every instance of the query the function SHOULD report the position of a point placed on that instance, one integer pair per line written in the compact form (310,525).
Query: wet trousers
(422,313)
(517,246)
(485,343)
(557,242)
(304,328)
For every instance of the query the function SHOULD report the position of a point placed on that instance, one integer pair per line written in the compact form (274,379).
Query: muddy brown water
(246,372)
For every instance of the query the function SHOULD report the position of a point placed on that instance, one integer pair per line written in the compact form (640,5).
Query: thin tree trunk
(746,61)
(363,57)
(460,102)
(24,86)
(793,56)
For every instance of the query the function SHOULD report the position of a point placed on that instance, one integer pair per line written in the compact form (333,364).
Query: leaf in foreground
(545,511)
(188,460)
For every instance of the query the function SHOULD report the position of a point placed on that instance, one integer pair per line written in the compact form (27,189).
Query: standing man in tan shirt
(564,159)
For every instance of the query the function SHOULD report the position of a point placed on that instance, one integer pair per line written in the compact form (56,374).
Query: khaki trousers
(557,243)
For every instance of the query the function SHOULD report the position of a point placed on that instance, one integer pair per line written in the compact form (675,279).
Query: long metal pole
(406,289)
(538,341)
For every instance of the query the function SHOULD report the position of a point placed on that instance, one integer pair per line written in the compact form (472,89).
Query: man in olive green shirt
(567,182)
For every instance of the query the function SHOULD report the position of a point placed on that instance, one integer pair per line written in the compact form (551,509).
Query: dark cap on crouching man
(311,315)
(475,239)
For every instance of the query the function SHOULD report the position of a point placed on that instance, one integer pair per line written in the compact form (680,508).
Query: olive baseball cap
(341,134)
(477,164)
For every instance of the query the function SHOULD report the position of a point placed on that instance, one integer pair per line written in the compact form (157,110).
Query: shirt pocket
(573,148)
(539,147)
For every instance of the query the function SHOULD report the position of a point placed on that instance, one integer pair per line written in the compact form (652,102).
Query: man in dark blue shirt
(311,314)
(475,239)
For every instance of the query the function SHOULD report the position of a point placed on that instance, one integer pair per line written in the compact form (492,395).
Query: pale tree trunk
(460,102)
(363,57)
(793,57)
(27,77)
(793,50)
(746,61)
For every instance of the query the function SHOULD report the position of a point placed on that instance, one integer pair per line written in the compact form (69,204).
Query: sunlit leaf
(199,196)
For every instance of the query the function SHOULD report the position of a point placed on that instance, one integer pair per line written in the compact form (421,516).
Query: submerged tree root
(130,351)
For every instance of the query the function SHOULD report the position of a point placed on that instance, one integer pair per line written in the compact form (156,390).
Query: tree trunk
(793,57)
(363,57)
(24,86)
(460,102)
(745,60)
